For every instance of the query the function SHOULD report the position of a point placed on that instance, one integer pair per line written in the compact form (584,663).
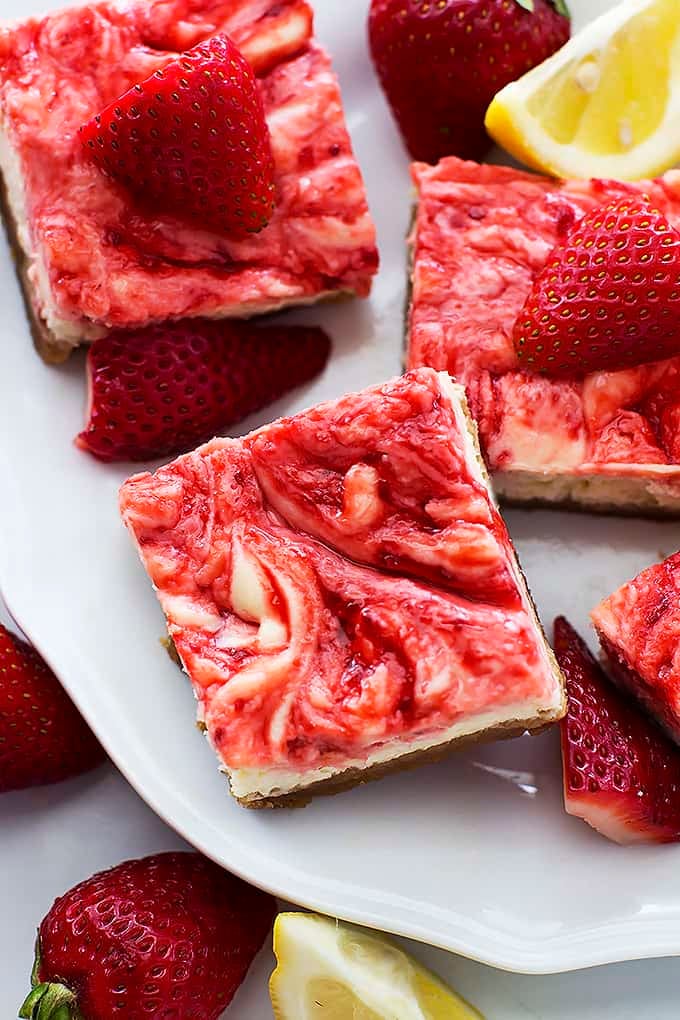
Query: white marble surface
(52,837)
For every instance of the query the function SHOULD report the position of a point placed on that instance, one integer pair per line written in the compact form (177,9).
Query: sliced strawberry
(621,772)
(164,389)
(608,297)
(192,139)
(43,739)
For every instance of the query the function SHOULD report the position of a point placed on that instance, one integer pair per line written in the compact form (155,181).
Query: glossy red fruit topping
(164,389)
(441,62)
(621,772)
(192,140)
(608,297)
(43,738)
(170,936)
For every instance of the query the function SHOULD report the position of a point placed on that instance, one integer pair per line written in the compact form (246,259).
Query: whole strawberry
(192,140)
(621,772)
(441,62)
(168,937)
(608,297)
(164,389)
(43,738)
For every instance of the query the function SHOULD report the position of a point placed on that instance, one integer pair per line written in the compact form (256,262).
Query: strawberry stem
(50,1001)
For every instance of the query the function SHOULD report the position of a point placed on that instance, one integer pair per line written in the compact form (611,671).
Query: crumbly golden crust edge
(602,509)
(352,778)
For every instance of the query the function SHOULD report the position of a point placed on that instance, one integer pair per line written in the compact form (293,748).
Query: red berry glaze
(164,389)
(43,738)
(621,772)
(441,62)
(608,297)
(168,937)
(192,140)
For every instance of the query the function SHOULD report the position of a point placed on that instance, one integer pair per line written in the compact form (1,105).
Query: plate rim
(610,943)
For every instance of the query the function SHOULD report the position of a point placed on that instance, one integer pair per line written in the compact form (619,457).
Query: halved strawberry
(621,772)
(608,297)
(192,139)
(164,389)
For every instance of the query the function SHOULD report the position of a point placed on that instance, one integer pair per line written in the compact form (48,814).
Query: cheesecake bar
(89,258)
(343,592)
(639,630)
(607,442)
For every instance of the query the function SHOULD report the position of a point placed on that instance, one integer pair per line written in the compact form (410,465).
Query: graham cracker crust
(612,509)
(352,778)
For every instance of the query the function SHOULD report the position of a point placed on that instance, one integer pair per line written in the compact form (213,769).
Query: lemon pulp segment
(332,971)
(607,104)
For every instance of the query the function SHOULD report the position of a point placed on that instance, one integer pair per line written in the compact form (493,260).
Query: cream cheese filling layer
(70,331)
(253,783)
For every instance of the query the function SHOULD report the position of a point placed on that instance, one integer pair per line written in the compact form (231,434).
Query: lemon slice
(606,105)
(332,971)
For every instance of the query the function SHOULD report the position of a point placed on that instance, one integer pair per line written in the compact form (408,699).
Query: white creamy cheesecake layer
(255,784)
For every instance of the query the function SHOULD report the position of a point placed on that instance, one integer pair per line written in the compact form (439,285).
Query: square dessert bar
(89,258)
(639,630)
(343,593)
(609,442)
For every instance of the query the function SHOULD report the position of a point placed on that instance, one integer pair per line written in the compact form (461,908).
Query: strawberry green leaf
(528,5)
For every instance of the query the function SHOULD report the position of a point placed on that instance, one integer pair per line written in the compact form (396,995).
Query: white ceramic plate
(60,834)
(475,855)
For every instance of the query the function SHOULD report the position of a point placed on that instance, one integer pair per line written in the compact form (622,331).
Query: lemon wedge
(606,105)
(332,971)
